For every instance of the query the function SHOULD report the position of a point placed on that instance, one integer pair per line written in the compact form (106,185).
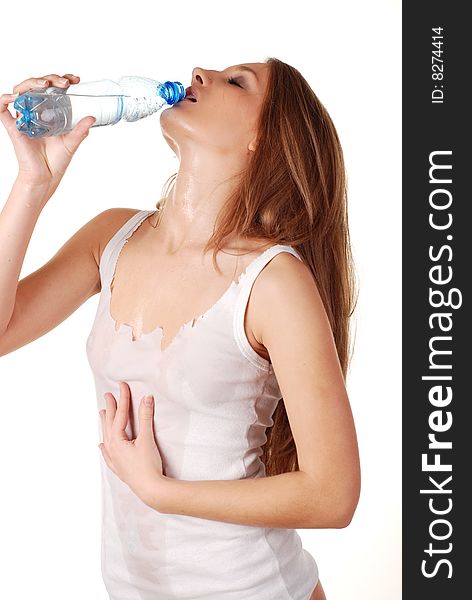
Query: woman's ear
(252,145)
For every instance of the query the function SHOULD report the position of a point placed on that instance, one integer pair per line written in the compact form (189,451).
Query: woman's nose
(199,75)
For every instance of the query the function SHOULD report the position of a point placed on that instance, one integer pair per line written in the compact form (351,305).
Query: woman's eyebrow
(243,68)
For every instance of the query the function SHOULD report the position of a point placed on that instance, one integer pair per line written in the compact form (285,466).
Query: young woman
(229,307)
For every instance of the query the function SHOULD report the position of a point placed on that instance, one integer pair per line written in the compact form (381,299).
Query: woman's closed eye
(231,80)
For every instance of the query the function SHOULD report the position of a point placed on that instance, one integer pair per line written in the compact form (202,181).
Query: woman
(243,351)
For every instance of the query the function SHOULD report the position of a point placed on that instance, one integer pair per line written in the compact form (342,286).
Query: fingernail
(42,81)
(63,79)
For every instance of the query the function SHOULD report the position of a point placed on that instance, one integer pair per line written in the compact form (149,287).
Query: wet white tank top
(214,398)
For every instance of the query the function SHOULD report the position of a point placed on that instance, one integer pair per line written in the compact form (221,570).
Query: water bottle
(54,111)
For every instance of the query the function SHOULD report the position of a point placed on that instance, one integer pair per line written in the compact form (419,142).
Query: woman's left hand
(136,462)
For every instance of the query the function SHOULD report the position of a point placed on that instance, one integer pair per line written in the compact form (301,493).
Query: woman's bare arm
(42,300)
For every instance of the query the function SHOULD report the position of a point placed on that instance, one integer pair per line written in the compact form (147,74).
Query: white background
(350,53)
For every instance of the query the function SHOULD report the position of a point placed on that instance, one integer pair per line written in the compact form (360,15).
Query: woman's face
(224,117)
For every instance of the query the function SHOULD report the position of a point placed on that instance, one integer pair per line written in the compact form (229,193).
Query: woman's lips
(191,92)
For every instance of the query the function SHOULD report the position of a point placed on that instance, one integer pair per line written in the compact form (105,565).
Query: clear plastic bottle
(54,111)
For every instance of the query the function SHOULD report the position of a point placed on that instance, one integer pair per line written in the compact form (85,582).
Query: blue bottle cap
(171,91)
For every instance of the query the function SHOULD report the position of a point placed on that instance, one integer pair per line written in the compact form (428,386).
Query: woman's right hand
(43,160)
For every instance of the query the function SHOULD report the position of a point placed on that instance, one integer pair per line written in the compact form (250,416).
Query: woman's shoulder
(284,271)
(108,222)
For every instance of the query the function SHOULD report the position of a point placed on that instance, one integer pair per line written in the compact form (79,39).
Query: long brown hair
(294,191)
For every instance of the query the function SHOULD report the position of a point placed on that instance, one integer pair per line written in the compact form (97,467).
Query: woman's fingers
(122,414)
(44,82)
(110,410)
(6,117)
(115,418)
(104,428)
(72,78)
(60,80)
(32,82)
(5,100)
